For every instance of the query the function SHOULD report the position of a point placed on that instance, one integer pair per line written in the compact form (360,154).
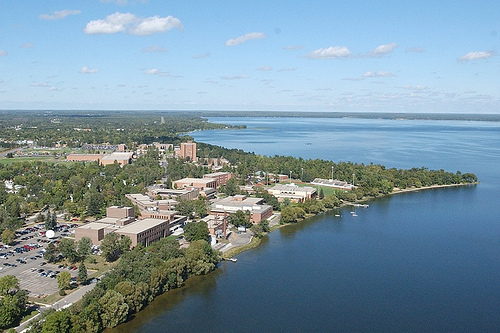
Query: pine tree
(82,273)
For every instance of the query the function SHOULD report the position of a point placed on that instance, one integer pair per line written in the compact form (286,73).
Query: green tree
(114,310)
(84,248)
(82,274)
(240,218)
(50,253)
(68,249)
(12,301)
(88,319)
(321,194)
(196,231)
(292,214)
(125,243)
(13,206)
(95,203)
(113,245)
(201,258)
(8,237)
(50,221)
(63,280)
(231,187)
(331,201)
(57,322)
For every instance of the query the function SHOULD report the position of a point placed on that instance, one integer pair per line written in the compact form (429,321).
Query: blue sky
(389,56)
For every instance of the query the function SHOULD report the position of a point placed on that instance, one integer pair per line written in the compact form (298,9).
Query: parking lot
(25,259)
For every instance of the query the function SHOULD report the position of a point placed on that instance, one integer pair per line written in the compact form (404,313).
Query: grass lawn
(100,266)
(26,159)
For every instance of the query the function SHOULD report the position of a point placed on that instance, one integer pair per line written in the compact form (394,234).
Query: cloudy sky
(325,55)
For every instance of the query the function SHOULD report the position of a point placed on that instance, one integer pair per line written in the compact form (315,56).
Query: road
(61,304)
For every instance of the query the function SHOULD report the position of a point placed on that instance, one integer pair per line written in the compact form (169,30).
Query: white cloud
(244,38)
(265,68)
(86,70)
(154,48)
(330,53)
(3,53)
(27,46)
(155,24)
(292,47)
(235,77)
(152,71)
(127,22)
(57,15)
(288,69)
(111,24)
(383,49)
(476,55)
(377,74)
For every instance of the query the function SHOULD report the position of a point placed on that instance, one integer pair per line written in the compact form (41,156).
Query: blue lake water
(416,262)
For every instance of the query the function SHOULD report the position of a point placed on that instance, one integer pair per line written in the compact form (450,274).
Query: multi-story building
(187,150)
(232,204)
(121,221)
(199,183)
(221,178)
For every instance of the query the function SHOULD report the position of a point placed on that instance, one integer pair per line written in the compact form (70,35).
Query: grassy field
(26,159)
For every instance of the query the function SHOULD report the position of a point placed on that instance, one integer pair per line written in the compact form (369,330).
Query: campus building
(104,159)
(293,192)
(118,157)
(177,194)
(84,157)
(199,183)
(145,231)
(187,150)
(221,178)
(120,220)
(232,204)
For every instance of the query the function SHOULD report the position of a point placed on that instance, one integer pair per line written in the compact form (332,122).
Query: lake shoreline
(256,241)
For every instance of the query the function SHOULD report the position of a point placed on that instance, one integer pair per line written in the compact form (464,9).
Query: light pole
(332,173)
(290,178)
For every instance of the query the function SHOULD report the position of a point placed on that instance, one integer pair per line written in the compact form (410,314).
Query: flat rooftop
(95,226)
(117,156)
(140,226)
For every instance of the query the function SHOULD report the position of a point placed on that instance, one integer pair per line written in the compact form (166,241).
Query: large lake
(418,262)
